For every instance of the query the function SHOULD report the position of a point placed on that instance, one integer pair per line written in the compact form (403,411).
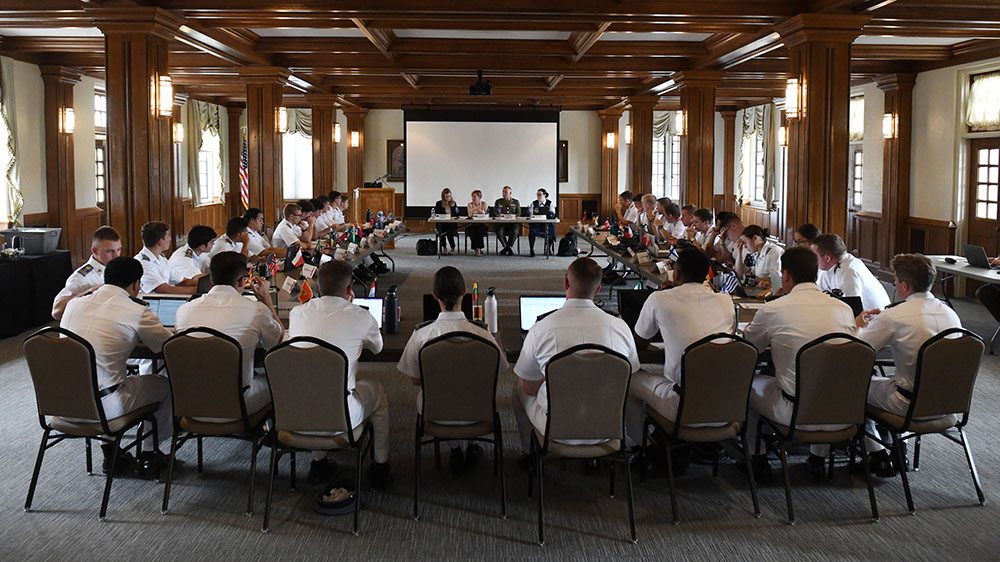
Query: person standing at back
(105,246)
(507,233)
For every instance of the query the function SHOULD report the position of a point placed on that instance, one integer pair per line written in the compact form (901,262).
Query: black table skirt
(27,288)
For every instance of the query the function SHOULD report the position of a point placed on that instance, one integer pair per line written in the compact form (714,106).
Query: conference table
(28,286)
(378,248)
(466,221)
(947,272)
(647,272)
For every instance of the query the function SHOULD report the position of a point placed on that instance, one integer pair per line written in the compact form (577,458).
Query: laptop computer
(630,302)
(977,256)
(854,302)
(531,307)
(431,307)
(165,307)
(373,306)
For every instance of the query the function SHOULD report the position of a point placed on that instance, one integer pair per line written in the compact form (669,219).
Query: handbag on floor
(426,247)
(567,246)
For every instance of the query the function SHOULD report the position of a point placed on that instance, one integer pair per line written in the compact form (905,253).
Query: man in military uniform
(157,276)
(190,261)
(106,246)
(507,233)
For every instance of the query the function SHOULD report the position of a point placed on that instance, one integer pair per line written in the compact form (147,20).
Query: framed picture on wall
(395,160)
(562,161)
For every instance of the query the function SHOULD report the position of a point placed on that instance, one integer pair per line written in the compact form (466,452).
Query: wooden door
(984,198)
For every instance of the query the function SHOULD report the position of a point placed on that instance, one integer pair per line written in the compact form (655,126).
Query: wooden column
(641,148)
(140,187)
(898,89)
(324,117)
(355,156)
(60,186)
(819,56)
(609,159)
(697,89)
(264,84)
(234,207)
(728,159)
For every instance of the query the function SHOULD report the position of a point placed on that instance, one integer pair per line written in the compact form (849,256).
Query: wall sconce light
(67,120)
(609,141)
(162,96)
(282,120)
(336,132)
(794,98)
(680,122)
(783,136)
(355,139)
(890,125)
(628,134)
(178,133)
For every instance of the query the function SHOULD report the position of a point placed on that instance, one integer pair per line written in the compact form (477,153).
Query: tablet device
(531,307)
(373,306)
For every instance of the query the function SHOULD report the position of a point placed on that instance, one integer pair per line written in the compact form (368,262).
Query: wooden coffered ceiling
(574,54)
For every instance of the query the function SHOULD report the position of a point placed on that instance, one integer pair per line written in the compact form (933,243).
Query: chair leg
(38,468)
(672,485)
(416,473)
(170,473)
(829,470)
(750,477)
(90,456)
(715,465)
(253,473)
(357,488)
(291,470)
(270,488)
(972,466)
(437,454)
(993,340)
(503,484)
(201,465)
(868,478)
(541,506)
(631,500)
(783,455)
(611,480)
(916,453)
(897,447)
(642,451)
(110,478)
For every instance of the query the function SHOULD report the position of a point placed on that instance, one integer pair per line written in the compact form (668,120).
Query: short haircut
(636,197)
(291,209)
(809,231)
(625,195)
(251,214)
(478,192)
(584,275)
(728,220)
(755,230)
(226,268)
(335,196)
(449,286)
(722,216)
(122,271)
(916,270)
(544,191)
(334,277)
(199,235)
(305,205)
(694,265)
(235,225)
(830,245)
(152,232)
(649,198)
(317,205)
(704,214)
(322,200)
(801,263)
(664,201)
(673,210)
(105,234)
(689,208)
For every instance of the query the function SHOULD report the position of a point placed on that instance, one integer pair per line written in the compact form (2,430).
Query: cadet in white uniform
(579,321)
(682,315)
(157,276)
(225,309)
(335,320)
(785,325)
(258,244)
(766,254)
(701,229)
(841,270)
(649,220)
(190,261)
(289,232)
(672,225)
(105,246)
(114,321)
(234,240)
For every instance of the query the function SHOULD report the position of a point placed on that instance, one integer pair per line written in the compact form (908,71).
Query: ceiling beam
(381,38)
(554,81)
(581,42)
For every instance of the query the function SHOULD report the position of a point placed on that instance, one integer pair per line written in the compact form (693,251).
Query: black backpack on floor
(567,246)
(426,247)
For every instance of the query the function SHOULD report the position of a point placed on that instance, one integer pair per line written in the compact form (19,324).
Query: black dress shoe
(456,462)
(380,475)
(473,452)
(150,464)
(531,253)
(761,468)
(125,461)
(817,467)
(320,471)
(878,462)
(526,463)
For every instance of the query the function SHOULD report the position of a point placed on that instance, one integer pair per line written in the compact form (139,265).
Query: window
(667,166)
(983,110)
(753,167)
(101,172)
(209,176)
(987,176)
(100,110)
(659,166)
(856,124)
(857,176)
(297,166)
(674,192)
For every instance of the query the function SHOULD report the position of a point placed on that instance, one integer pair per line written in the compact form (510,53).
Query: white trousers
(368,403)
(766,400)
(532,413)
(648,389)
(138,391)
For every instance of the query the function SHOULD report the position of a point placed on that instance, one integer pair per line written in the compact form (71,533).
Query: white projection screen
(479,150)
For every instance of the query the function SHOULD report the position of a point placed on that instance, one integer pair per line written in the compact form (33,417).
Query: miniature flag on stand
(306,294)
(299,259)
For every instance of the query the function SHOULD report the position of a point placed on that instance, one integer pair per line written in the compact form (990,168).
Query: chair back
(587,386)
(989,295)
(716,372)
(458,375)
(832,374)
(947,366)
(205,372)
(63,368)
(308,380)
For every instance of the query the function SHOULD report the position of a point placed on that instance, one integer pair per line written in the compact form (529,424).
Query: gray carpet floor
(460,516)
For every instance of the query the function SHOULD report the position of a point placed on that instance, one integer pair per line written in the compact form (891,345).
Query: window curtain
(300,121)
(757,121)
(192,131)
(12,186)
(856,126)
(983,110)
(203,116)
(663,124)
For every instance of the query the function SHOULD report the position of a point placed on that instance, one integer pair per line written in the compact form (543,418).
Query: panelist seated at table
(105,245)
(294,228)
(157,275)
(650,219)
(337,209)
(323,224)
(542,206)
(476,232)
(252,324)
(447,233)
(113,321)
(701,229)
(236,239)
(761,256)
(507,233)
(190,261)
(260,245)
(839,270)
(672,227)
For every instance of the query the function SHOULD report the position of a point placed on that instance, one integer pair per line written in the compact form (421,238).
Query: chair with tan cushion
(458,381)
(716,372)
(586,386)
(946,371)
(832,374)
(63,368)
(205,370)
(308,380)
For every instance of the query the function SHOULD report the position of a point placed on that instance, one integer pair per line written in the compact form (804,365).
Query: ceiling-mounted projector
(481,87)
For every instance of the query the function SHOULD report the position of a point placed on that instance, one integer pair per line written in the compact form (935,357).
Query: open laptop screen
(532,307)
(374,307)
(165,308)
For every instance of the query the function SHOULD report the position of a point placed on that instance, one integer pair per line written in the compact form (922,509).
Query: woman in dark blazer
(447,232)
(542,205)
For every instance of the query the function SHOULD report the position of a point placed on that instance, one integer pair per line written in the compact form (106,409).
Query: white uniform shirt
(225,244)
(631,214)
(446,322)
(155,271)
(322,221)
(788,323)
(337,217)
(113,324)
(905,327)
(854,279)
(701,238)
(674,229)
(684,315)
(579,321)
(256,242)
(185,264)
(88,277)
(224,309)
(767,260)
(286,234)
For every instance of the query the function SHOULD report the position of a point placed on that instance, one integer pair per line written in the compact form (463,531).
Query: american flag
(244,173)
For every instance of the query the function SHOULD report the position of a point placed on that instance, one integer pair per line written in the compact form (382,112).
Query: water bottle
(391,311)
(491,310)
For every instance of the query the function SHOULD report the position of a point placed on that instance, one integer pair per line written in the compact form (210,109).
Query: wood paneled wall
(931,236)
(571,207)
(865,239)
(771,220)
(215,216)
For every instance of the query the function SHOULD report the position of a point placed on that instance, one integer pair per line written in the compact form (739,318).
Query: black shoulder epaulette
(87,268)
(543,316)
(188,253)
(137,300)
(894,304)
(145,258)
(423,324)
(480,323)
